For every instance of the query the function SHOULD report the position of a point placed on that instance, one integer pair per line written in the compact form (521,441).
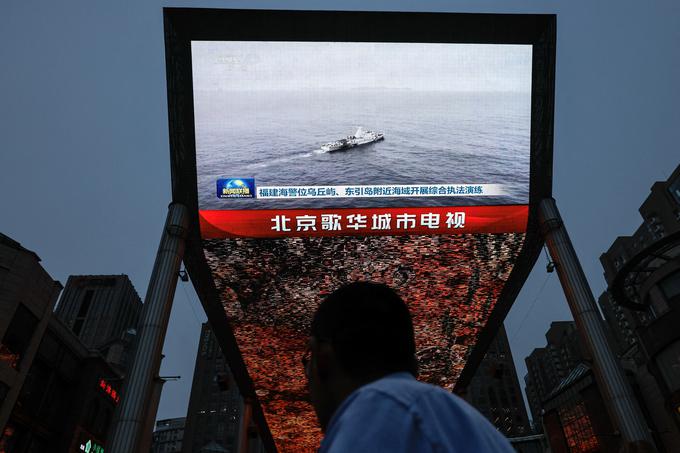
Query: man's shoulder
(407,391)
(442,418)
(377,417)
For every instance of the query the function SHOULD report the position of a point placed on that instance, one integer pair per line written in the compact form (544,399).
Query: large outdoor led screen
(322,162)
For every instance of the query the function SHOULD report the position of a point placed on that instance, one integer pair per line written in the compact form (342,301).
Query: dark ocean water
(430,138)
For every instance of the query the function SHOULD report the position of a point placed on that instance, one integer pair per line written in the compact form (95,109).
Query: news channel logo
(236,188)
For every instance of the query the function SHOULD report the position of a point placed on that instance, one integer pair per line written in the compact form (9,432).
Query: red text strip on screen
(278,223)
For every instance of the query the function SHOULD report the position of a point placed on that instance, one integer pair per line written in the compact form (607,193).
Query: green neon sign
(91,447)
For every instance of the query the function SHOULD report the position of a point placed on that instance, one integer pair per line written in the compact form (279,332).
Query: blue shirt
(400,414)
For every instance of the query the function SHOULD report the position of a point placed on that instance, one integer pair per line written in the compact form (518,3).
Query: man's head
(361,332)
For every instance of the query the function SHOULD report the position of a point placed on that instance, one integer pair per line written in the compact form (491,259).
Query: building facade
(68,399)
(494,389)
(215,405)
(642,308)
(168,435)
(575,417)
(56,394)
(27,296)
(103,312)
(564,398)
(548,366)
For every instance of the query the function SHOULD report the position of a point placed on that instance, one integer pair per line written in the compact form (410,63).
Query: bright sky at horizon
(262,65)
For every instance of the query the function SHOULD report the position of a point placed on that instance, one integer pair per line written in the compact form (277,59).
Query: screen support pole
(146,434)
(246,417)
(143,372)
(616,391)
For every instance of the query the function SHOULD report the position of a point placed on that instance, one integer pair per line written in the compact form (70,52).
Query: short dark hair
(370,329)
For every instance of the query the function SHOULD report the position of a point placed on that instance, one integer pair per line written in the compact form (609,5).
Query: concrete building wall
(27,296)
(621,323)
(215,404)
(651,259)
(576,419)
(548,366)
(168,435)
(661,209)
(653,401)
(56,394)
(103,312)
(67,400)
(494,389)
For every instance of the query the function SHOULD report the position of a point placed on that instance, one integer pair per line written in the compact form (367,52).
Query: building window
(670,286)
(18,336)
(82,311)
(577,428)
(674,189)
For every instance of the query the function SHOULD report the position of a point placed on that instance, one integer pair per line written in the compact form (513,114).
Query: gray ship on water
(360,137)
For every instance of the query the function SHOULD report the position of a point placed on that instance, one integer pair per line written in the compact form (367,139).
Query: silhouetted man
(361,368)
